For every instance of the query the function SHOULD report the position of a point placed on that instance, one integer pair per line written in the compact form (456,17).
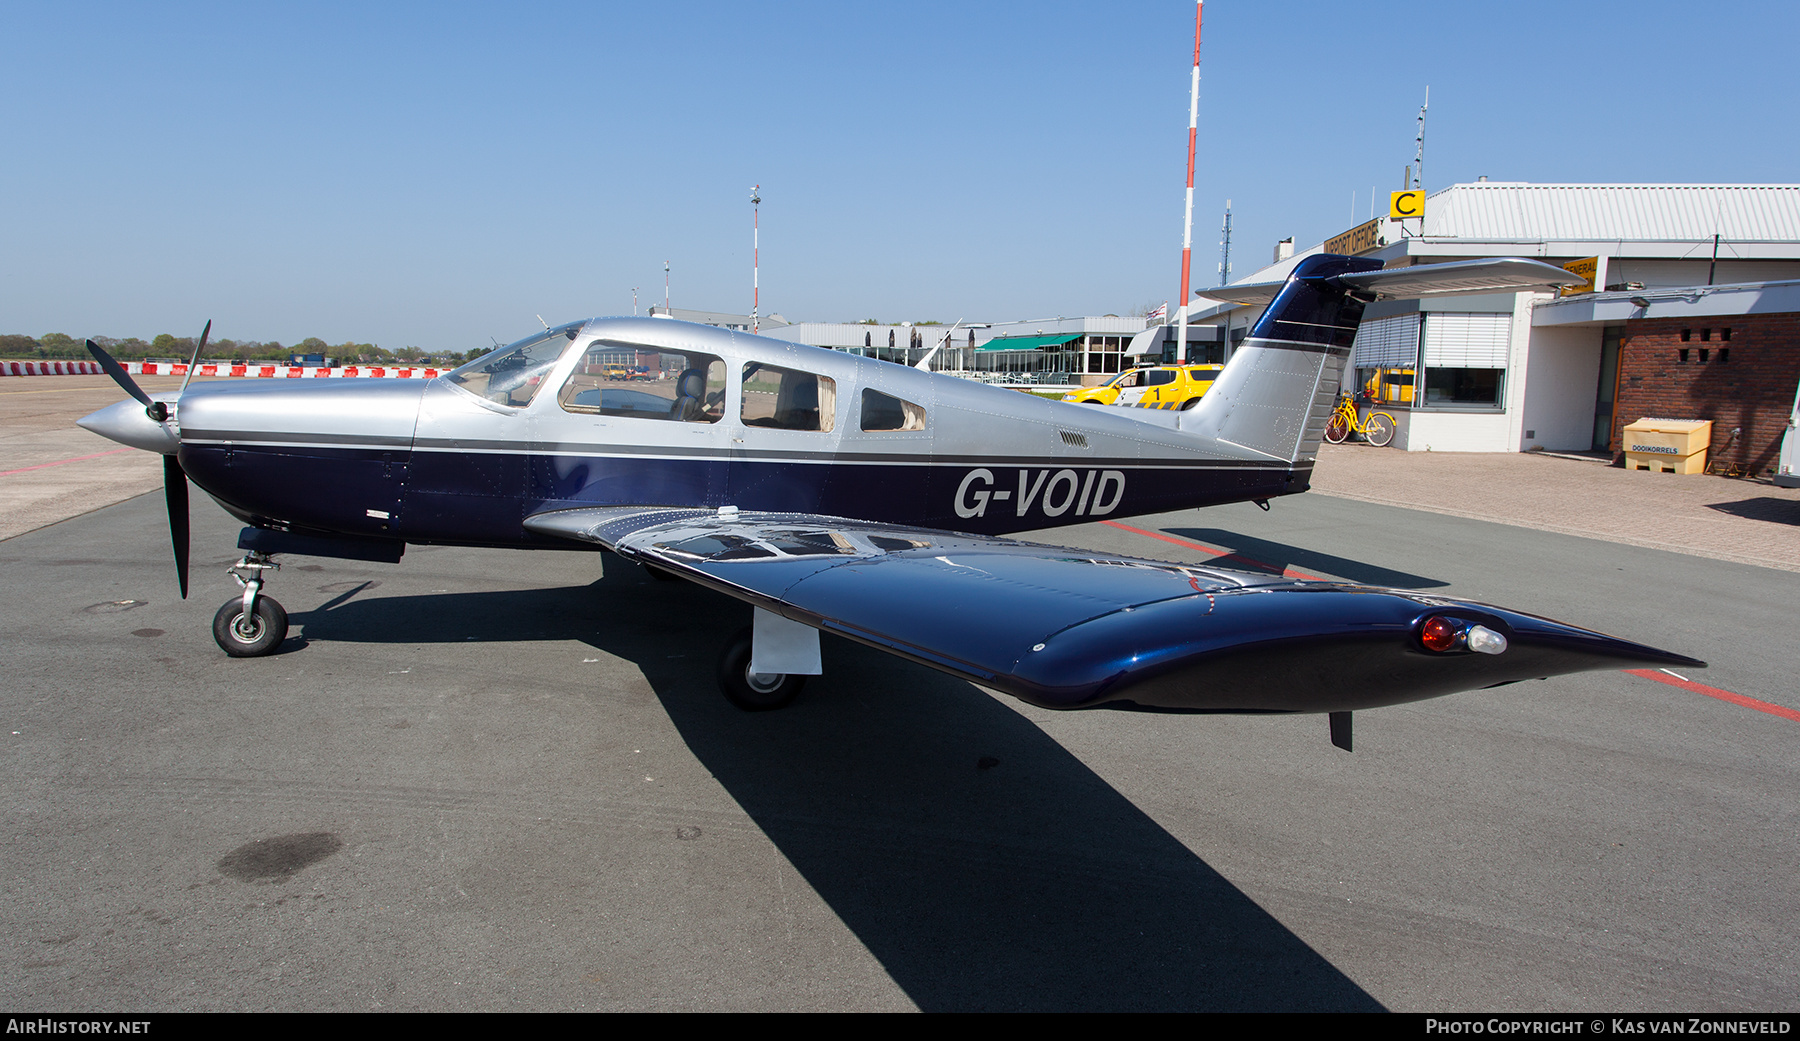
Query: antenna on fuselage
(543,323)
(925,362)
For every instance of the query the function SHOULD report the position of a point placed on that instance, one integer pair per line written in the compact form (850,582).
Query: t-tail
(1278,391)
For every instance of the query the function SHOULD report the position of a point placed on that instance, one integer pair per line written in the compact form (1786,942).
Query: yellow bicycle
(1378,429)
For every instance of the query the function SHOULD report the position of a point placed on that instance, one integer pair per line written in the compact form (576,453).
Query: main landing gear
(747,667)
(252,625)
(749,690)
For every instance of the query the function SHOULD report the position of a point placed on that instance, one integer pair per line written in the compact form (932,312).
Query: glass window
(886,412)
(787,400)
(638,382)
(1466,387)
(1158,377)
(512,374)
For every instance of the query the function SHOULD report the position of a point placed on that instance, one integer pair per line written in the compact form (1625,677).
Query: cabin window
(637,382)
(786,399)
(513,374)
(886,412)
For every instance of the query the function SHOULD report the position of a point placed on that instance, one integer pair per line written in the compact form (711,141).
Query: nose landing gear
(252,625)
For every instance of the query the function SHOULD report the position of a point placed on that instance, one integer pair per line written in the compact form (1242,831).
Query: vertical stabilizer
(1277,391)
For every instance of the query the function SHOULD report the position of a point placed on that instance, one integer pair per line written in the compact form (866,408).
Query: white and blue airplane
(871,500)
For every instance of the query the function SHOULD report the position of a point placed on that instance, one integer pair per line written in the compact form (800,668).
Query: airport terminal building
(1522,371)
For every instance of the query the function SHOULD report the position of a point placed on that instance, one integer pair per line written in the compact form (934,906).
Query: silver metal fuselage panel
(445,465)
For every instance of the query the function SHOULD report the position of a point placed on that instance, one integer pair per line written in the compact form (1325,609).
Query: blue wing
(1065,628)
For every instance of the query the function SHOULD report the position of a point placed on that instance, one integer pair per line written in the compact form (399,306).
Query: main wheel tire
(1337,430)
(254,636)
(747,690)
(1380,430)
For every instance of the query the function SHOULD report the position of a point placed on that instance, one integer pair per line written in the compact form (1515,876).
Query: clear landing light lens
(1483,640)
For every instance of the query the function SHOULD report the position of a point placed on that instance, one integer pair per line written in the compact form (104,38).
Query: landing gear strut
(252,625)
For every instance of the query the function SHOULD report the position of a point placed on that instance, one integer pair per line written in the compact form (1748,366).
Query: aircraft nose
(128,424)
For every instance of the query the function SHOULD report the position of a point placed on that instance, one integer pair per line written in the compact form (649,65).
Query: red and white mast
(1187,227)
(755,258)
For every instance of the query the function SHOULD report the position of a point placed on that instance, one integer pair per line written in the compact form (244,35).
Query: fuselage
(654,412)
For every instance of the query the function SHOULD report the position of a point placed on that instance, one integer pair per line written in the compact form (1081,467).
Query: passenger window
(886,412)
(1158,377)
(787,400)
(638,382)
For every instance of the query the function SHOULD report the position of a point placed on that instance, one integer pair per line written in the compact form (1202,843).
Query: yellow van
(1390,386)
(1160,386)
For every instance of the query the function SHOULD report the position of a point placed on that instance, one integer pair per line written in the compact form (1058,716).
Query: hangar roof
(1615,212)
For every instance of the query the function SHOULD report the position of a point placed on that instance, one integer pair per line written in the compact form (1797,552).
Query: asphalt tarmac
(500,780)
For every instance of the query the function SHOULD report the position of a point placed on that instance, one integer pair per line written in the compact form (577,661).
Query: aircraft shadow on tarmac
(1248,553)
(979,861)
(1762,508)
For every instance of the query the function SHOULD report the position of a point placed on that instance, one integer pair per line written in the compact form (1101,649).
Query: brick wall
(1746,381)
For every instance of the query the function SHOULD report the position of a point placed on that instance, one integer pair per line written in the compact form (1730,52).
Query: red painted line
(59,462)
(1289,572)
(1713,692)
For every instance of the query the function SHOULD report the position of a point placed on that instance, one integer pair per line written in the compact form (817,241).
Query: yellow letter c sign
(1402,205)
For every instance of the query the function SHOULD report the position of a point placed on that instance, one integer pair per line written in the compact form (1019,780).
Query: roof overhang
(1027,343)
(1681,302)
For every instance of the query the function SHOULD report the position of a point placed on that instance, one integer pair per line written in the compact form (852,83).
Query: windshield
(512,374)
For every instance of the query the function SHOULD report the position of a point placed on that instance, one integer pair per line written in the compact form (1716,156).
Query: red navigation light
(1441,634)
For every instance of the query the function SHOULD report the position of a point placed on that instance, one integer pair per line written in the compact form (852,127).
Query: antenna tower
(755,257)
(1225,248)
(1419,159)
(1187,227)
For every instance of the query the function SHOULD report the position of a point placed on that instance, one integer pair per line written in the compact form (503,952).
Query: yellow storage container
(1675,446)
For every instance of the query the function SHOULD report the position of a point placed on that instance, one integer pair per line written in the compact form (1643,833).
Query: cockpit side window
(639,382)
(886,412)
(511,375)
(786,399)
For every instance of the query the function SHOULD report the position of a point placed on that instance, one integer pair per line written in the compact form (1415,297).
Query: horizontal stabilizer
(1503,275)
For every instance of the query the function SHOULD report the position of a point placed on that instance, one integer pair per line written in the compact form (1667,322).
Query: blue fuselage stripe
(484,497)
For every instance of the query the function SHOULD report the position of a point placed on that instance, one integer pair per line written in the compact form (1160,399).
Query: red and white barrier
(50,368)
(292,372)
(151,368)
(258,371)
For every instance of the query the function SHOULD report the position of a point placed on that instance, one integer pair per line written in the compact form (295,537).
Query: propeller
(154,409)
(175,494)
(175,489)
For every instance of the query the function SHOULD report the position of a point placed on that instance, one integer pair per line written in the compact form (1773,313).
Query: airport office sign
(1360,239)
(1586,268)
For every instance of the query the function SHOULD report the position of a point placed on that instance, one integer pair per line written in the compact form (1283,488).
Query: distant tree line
(167,345)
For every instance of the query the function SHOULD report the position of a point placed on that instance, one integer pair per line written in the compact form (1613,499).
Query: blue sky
(437,174)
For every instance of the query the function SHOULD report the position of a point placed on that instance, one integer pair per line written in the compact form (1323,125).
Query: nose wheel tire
(1380,430)
(753,692)
(253,635)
